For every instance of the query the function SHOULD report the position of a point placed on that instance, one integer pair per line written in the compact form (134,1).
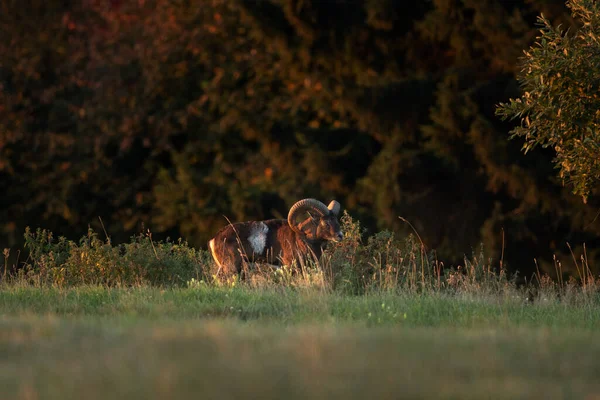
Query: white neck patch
(258,237)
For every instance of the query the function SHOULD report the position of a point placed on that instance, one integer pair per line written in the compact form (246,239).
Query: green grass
(377,318)
(286,306)
(55,358)
(212,342)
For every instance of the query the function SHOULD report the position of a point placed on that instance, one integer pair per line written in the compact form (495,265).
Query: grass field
(379,317)
(211,342)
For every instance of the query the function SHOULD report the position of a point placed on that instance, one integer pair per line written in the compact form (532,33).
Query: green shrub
(94,261)
(384,262)
(358,265)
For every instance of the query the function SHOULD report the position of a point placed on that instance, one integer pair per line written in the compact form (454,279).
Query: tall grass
(358,265)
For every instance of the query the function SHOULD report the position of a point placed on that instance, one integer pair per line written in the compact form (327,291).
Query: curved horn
(303,205)
(334,206)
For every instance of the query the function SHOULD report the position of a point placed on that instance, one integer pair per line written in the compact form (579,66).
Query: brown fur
(231,247)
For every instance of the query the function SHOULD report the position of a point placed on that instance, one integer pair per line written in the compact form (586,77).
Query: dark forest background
(169,115)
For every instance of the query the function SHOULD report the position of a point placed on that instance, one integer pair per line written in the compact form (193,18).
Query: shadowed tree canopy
(174,114)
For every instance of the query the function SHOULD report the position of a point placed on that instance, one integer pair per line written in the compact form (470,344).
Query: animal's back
(249,241)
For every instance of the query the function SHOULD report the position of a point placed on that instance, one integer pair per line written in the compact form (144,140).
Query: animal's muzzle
(339,236)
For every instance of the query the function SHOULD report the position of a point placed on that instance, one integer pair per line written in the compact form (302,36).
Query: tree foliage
(172,114)
(560,104)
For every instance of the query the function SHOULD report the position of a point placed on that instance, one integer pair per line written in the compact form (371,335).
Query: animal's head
(319,222)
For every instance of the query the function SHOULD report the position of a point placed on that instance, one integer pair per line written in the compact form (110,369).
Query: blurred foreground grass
(52,358)
(225,343)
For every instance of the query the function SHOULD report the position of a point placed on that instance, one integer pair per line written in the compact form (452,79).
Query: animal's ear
(334,207)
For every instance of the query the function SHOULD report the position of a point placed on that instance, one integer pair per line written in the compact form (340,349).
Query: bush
(93,261)
(388,263)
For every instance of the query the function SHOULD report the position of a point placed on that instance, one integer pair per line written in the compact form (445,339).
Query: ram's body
(275,241)
(271,242)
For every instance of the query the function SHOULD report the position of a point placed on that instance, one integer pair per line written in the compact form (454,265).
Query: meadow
(378,318)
